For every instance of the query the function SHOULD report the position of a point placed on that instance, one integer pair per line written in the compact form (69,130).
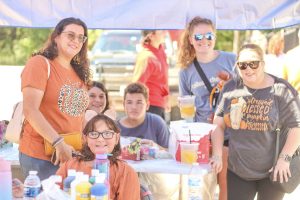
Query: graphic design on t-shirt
(251,114)
(72,100)
(213,80)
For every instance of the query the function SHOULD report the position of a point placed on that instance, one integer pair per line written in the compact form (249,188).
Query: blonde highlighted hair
(187,51)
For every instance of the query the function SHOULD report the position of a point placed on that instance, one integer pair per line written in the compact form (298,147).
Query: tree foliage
(17,44)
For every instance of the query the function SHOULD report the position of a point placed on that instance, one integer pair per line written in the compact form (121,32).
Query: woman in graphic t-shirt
(56,104)
(251,107)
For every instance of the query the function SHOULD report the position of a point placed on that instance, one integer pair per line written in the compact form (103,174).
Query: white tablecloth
(169,166)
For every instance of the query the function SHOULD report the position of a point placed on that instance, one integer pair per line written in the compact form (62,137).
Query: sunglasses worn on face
(251,64)
(208,36)
(104,134)
(71,36)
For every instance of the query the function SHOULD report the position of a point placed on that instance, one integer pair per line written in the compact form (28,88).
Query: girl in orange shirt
(102,135)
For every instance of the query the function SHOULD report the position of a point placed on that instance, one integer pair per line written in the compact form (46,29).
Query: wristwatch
(286,157)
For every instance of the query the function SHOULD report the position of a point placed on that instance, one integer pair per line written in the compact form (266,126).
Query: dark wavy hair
(79,62)
(87,154)
(101,87)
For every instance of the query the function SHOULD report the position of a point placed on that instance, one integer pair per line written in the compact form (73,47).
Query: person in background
(275,57)
(55,104)
(139,123)
(101,134)
(291,69)
(151,68)
(252,138)
(99,102)
(154,132)
(198,43)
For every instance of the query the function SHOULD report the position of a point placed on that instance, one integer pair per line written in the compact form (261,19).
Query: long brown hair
(186,51)
(79,62)
(88,155)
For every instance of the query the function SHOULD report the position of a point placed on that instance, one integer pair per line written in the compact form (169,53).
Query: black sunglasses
(104,134)
(208,36)
(252,64)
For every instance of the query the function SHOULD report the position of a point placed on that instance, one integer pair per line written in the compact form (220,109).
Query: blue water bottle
(32,186)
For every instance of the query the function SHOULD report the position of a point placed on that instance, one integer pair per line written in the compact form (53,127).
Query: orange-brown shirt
(63,105)
(124,182)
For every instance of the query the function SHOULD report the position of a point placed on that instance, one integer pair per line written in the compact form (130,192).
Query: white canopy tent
(153,14)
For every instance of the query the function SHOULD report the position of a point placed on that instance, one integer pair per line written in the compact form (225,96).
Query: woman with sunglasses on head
(99,102)
(151,69)
(54,96)
(198,44)
(251,107)
(101,134)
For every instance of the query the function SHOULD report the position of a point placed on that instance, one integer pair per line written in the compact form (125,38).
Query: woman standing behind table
(151,69)
(198,43)
(56,104)
(250,109)
(99,102)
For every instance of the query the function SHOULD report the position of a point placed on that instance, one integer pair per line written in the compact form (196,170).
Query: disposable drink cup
(187,107)
(189,152)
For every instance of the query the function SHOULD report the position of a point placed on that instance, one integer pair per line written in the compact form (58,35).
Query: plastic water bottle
(83,188)
(68,180)
(195,187)
(32,185)
(102,164)
(94,174)
(99,191)
(5,180)
(74,183)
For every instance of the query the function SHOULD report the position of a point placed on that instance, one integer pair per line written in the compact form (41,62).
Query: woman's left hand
(281,170)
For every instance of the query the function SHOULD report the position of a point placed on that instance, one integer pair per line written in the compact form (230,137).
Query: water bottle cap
(4,165)
(95,172)
(33,172)
(71,172)
(100,178)
(78,174)
(85,177)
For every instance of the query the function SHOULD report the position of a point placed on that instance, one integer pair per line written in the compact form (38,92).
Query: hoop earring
(76,59)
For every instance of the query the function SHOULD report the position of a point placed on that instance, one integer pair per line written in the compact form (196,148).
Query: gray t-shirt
(190,82)
(251,117)
(153,128)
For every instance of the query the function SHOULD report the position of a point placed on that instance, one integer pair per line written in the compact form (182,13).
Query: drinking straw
(190,135)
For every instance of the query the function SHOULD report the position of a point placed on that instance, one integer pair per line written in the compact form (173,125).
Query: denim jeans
(43,167)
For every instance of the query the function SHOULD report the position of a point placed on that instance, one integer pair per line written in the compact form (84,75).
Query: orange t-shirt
(63,105)
(124,181)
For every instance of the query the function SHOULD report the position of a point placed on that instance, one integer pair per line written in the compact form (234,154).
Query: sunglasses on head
(252,64)
(208,36)
(71,36)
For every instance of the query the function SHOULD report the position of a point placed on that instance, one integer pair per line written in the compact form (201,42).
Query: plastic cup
(187,107)
(189,152)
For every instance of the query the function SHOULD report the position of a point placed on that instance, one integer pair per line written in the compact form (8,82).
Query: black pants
(240,189)
(157,110)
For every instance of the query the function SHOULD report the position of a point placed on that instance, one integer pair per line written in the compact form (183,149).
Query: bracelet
(57,141)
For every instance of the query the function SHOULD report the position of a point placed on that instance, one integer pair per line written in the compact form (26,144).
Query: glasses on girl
(71,36)
(208,36)
(104,134)
(252,64)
